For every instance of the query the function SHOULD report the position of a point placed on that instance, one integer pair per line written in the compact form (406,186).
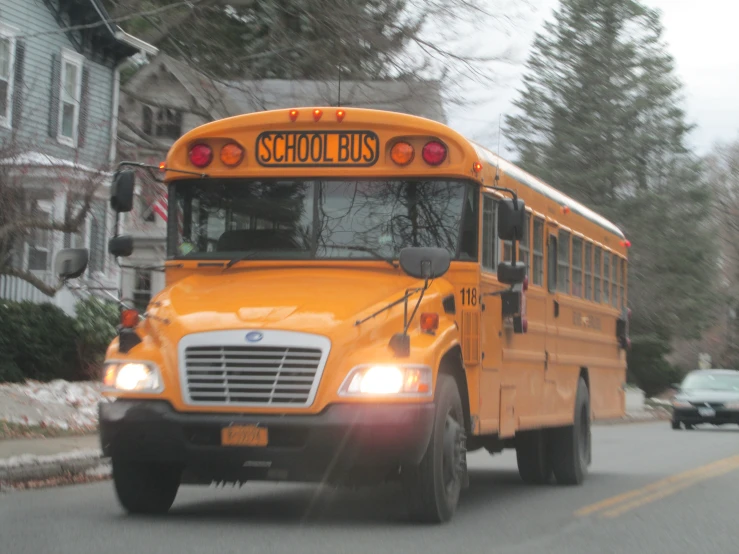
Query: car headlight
(681,404)
(132,376)
(388,380)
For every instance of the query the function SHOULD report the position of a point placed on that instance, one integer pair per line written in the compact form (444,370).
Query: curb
(38,468)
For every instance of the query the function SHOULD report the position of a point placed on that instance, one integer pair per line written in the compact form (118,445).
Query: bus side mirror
(70,263)
(425,263)
(511,274)
(121,246)
(511,219)
(121,191)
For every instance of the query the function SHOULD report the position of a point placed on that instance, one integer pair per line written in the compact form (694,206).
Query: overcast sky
(702,36)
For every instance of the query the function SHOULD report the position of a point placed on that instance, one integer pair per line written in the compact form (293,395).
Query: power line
(145,13)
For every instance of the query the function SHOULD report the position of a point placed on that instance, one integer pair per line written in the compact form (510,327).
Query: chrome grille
(253,375)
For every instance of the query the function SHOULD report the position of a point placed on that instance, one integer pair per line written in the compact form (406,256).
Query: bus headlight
(133,376)
(388,380)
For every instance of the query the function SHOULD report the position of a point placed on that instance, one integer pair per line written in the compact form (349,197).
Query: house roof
(87,11)
(228,98)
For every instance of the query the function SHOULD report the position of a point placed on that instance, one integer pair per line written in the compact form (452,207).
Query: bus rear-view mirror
(425,263)
(121,191)
(71,263)
(511,219)
(511,274)
(121,246)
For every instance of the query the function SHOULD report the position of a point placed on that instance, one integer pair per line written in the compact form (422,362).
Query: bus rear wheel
(532,455)
(571,446)
(145,488)
(432,488)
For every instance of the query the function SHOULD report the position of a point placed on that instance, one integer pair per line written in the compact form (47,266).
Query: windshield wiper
(237,259)
(372,251)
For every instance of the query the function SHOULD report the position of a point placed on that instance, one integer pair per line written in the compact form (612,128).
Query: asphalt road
(650,490)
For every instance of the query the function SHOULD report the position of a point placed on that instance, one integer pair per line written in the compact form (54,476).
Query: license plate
(244,435)
(706,412)
(317,148)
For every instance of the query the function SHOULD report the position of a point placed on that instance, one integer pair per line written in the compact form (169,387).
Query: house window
(39,240)
(489,234)
(97,236)
(142,289)
(69,105)
(147,120)
(588,271)
(7,59)
(538,277)
(169,123)
(563,262)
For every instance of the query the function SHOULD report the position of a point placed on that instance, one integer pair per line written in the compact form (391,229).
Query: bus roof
(541,187)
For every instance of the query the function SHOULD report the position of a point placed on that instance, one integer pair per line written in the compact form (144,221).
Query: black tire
(145,488)
(532,455)
(571,446)
(432,488)
(675,425)
(689,426)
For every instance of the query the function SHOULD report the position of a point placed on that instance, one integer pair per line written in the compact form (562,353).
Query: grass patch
(10,430)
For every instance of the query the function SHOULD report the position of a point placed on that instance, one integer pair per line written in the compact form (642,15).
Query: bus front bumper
(342,441)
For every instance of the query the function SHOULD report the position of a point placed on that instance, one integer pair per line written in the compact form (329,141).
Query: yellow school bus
(358,296)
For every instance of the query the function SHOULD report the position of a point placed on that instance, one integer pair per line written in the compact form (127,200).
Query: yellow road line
(659,489)
(667,492)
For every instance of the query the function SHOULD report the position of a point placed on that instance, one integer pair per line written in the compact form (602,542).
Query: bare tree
(20,218)
(723,176)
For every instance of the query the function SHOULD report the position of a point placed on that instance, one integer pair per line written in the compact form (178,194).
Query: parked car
(707,396)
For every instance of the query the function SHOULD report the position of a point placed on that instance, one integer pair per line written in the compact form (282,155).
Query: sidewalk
(24,460)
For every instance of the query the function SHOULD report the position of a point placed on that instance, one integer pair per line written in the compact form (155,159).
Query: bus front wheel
(433,487)
(145,488)
(570,446)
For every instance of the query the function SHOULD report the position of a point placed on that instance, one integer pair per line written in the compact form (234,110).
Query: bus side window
(606,277)
(623,283)
(552,264)
(563,278)
(538,276)
(524,246)
(588,271)
(489,234)
(577,267)
(615,282)
(597,273)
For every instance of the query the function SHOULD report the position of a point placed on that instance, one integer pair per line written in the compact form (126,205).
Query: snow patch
(30,459)
(60,404)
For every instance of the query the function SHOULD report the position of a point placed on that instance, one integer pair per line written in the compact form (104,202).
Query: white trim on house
(77,60)
(8,32)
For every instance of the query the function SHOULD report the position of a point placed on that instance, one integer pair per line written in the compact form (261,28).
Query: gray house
(167,98)
(60,63)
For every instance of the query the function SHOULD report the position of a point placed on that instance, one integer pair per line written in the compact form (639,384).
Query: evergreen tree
(599,118)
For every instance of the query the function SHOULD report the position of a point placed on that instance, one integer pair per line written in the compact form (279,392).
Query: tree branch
(30,278)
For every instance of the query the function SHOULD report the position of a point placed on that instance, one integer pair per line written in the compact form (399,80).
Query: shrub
(648,367)
(95,326)
(40,341)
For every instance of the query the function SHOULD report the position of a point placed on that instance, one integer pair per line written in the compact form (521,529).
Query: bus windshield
(320,219)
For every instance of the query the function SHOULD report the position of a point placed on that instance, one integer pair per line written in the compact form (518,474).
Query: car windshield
(711,381)
(312,219)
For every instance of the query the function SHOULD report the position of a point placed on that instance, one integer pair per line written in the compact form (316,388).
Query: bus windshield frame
(360,219)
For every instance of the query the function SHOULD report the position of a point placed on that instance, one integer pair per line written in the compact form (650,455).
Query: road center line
(638,496)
